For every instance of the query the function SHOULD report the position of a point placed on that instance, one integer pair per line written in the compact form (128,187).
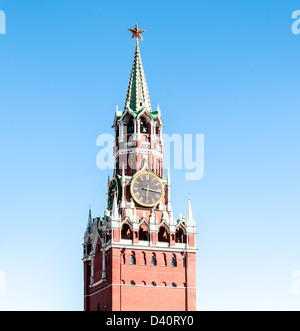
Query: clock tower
(137,256)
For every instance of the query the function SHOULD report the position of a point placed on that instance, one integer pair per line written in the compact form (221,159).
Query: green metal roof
(137,99)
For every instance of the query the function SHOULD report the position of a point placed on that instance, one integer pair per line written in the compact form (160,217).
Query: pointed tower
(137,95)
(138,250)
(90,222)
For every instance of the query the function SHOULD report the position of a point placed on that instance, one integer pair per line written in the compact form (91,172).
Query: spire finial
(136,33)
(137,94)
(90,220)
(189,215)
(115,212)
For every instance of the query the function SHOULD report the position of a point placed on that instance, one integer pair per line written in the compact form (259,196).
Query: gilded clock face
(112,190)
(147,189)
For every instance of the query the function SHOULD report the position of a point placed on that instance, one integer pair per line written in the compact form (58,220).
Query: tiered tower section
(138,256)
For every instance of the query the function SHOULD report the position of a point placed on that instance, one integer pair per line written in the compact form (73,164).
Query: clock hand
(149,189)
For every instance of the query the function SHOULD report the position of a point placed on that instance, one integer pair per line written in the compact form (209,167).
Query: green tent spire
(137,95)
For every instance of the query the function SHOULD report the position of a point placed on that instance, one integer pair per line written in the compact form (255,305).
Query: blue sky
(228,70)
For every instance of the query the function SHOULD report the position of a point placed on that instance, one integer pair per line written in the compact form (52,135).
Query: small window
(164,260)
(174,262)
(164,284)
(153,284)
(144,283)
(144,127)
(132,258)
(153,259)
(132,282)
(130,127)
(144,258)
(174,284)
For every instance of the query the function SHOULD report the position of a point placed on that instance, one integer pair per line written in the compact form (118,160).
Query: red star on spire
(136,33)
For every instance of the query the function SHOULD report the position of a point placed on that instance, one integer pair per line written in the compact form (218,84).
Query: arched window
(164,263)
(126,232)
(88,248)
(123,282)
(174,284)
(153,259)
(132,258)
(163,234)
(153,284)
(180,236)
(144,126)
(144,258)
(164,284)
(144,233)
(132,282)
(144,283)
(130,126)
(174,261)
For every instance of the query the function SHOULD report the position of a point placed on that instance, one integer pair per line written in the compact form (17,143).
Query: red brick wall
(101,298)
(142,295)
(98,263)
(138,298)
(86,271)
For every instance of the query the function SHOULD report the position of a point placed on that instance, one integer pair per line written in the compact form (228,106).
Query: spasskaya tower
(137,256)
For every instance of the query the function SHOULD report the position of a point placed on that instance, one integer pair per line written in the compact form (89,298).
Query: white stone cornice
(98,282)
(131,150)
(157,247)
